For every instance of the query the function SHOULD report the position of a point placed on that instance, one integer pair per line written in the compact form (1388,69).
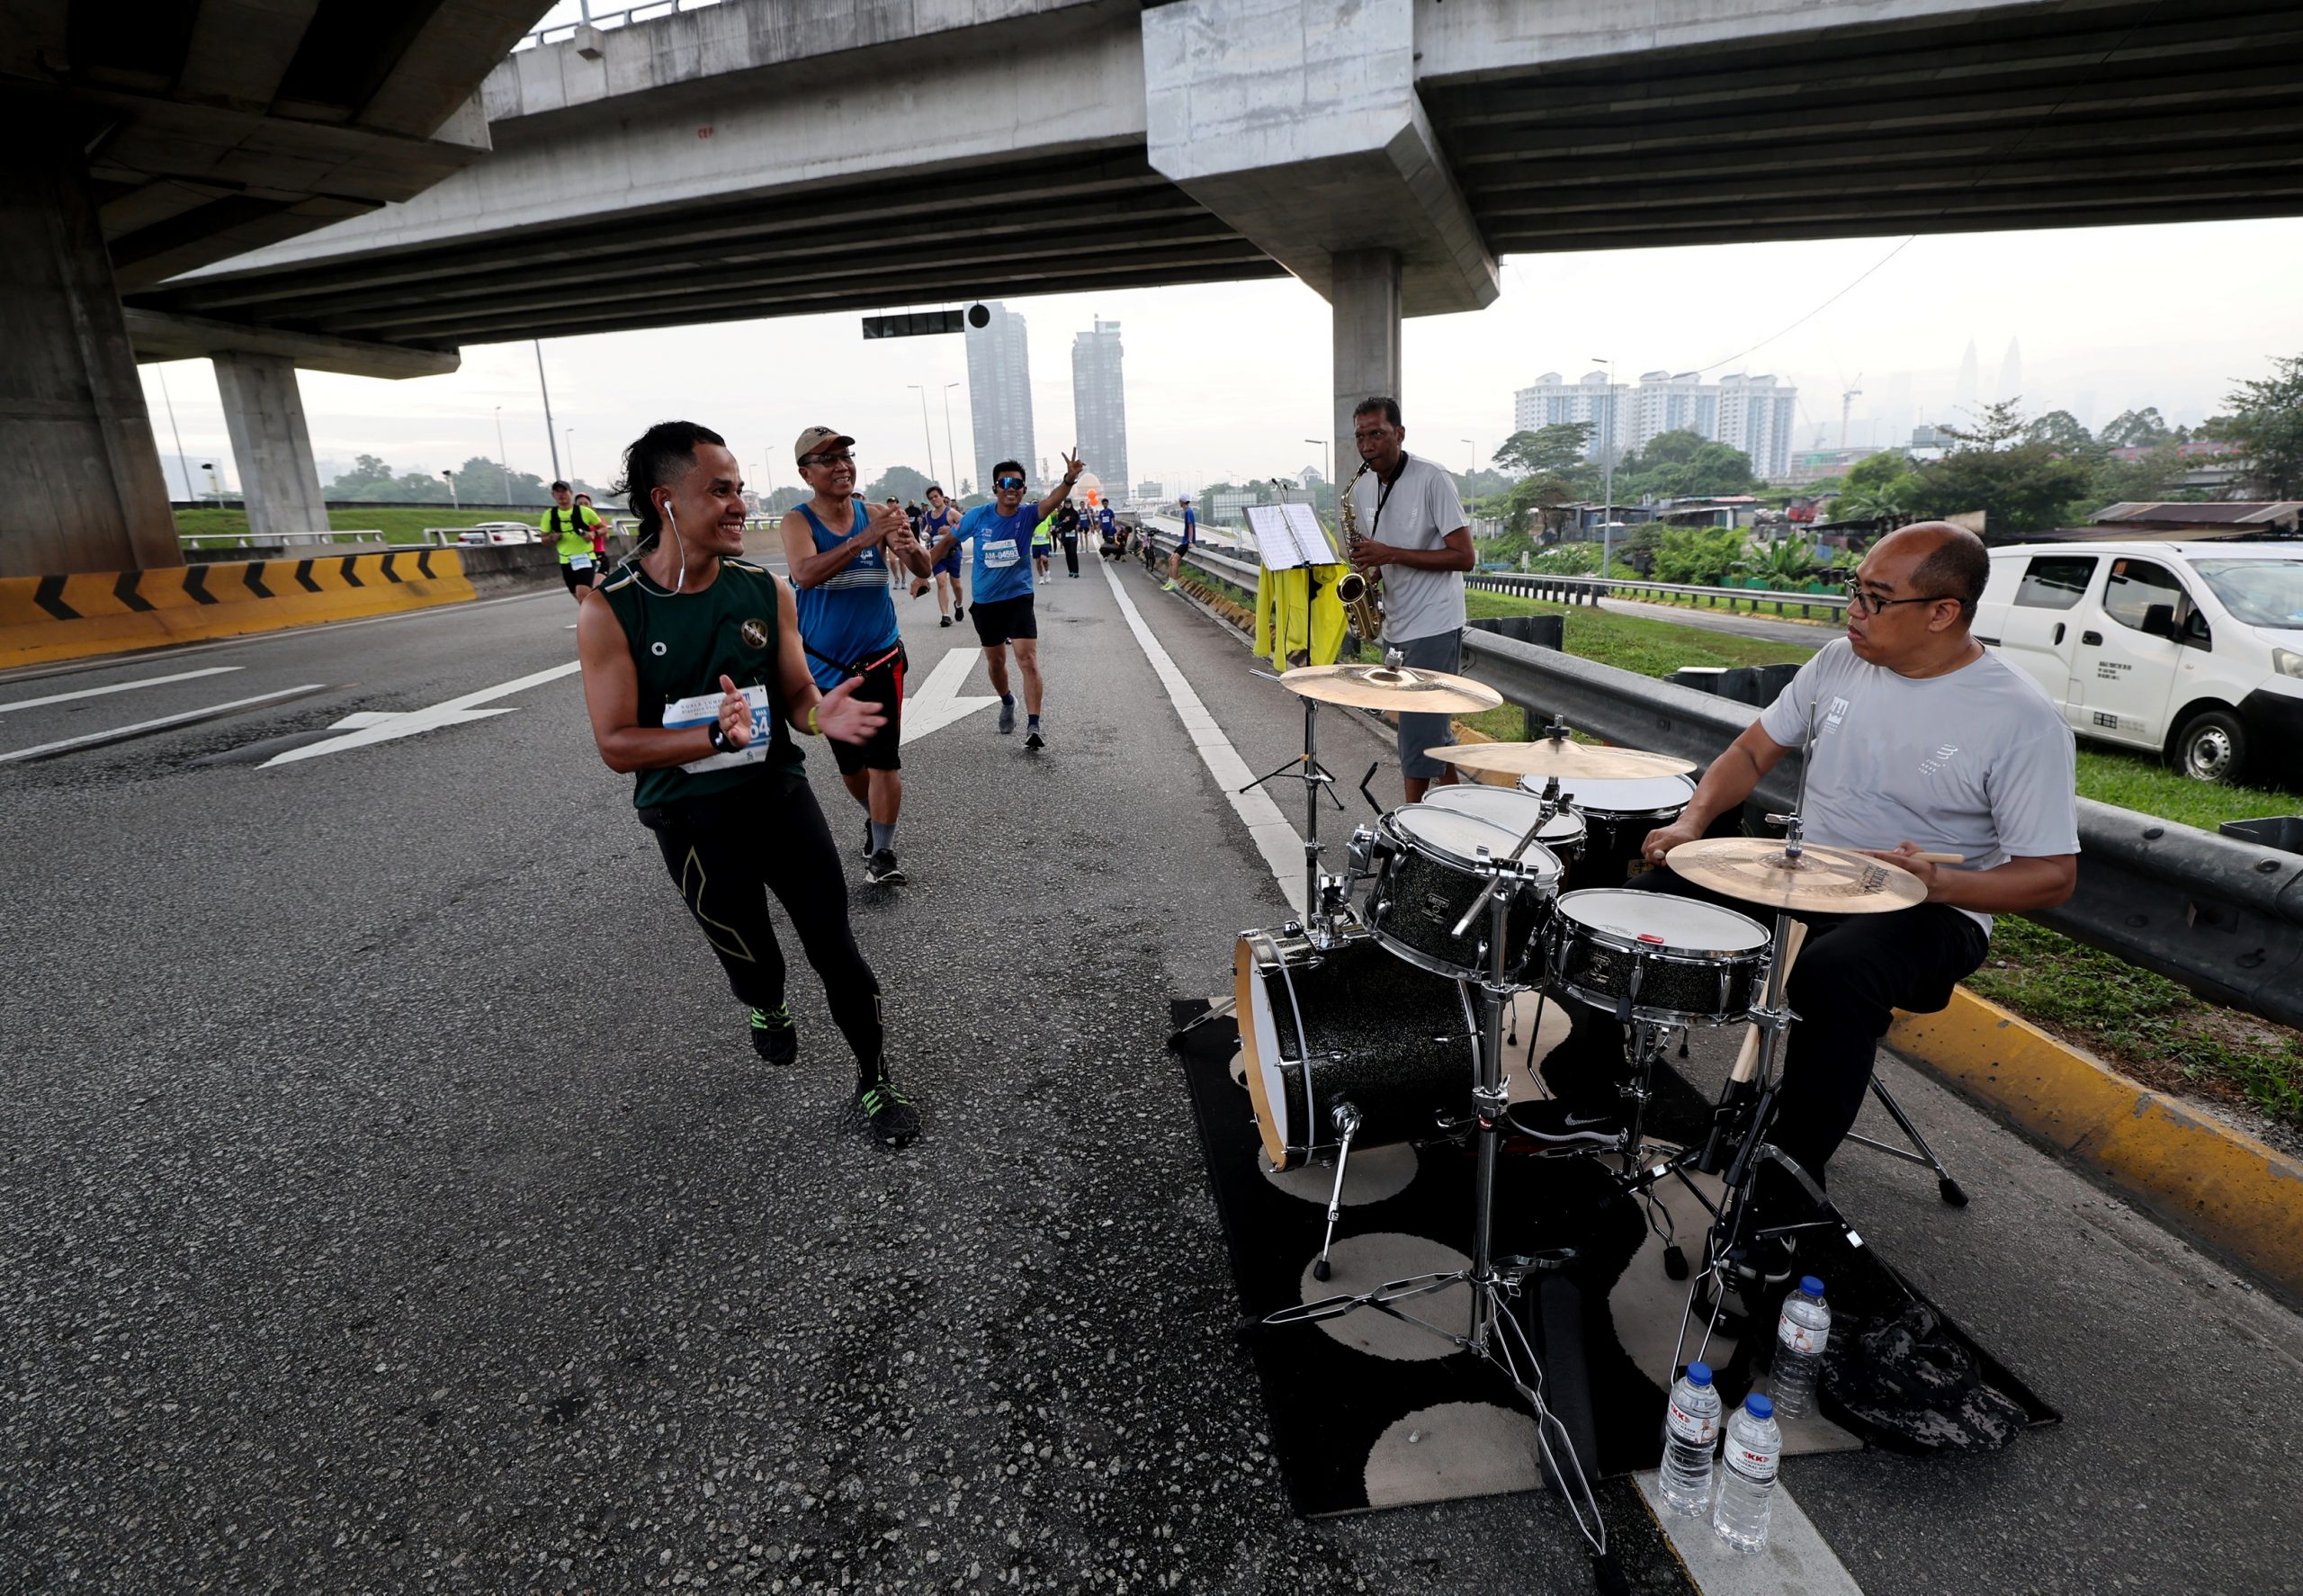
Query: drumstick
(1747,1062)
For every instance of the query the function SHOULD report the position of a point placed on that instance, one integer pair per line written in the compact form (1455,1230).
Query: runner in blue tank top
(1001,583)
(940,517)
(840,554)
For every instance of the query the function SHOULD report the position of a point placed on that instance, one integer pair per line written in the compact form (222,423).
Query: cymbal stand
(1327,898)
(1494,1334)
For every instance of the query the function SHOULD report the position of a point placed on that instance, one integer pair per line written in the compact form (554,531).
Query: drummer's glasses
(1860,602)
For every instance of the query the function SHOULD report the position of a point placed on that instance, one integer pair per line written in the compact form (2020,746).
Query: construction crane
(1847,406)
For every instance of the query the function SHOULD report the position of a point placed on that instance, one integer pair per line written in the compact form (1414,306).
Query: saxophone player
(1414,537)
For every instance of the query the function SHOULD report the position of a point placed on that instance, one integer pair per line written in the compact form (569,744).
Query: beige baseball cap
(817,439)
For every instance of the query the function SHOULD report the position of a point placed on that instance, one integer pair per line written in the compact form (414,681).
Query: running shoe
(895,1123)
(865,852)
(774,1035)
(1035,743)
(1006,717)
(1557,1124)
(1166,586)
(947,621)
(959,611)
(883,871)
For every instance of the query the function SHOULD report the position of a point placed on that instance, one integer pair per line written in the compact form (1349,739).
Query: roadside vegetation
(398,525)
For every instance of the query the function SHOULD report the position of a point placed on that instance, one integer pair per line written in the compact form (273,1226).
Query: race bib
(700,710)
(1000,556)
(579,562)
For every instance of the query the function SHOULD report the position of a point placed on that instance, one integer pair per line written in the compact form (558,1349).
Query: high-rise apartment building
(1754,414)
(999,393)
(1099,402)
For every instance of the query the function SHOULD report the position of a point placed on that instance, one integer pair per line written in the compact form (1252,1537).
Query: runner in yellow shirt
(567,529)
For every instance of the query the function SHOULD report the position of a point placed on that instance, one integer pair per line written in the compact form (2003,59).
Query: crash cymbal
(1392,688)
(1566,760)
(1825,880)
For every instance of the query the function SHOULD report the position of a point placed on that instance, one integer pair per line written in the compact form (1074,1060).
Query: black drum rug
(1369,1412)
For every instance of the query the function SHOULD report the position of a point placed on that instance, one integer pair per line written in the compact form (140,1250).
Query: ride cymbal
(1566,760)
(1825,880)
(1391,686)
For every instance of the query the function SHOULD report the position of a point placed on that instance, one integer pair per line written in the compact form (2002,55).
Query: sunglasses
(1005,483)
(842,458)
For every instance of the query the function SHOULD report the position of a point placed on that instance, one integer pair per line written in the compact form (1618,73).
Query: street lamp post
(925,432)
(215,488)
(503,471)
(454,502)
(1322,443)
(1608,469)
(951,454)
(571,451)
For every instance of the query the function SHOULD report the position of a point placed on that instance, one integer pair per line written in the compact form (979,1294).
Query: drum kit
(1378,1018)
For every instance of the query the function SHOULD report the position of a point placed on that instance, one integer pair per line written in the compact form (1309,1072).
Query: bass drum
(1618,816)
(1515,812)
(1321,1028)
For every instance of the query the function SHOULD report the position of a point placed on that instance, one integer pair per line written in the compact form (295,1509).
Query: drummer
(1918,740)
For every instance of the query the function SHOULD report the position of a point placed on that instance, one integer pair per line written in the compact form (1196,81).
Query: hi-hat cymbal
(1549,756)
(1826,880)
(1392,688)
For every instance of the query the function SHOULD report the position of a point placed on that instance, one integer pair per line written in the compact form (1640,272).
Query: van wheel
(2212,747)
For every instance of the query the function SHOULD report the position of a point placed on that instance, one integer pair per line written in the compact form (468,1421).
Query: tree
(1995,427)
(1561,449)
(1782,565)
(2059,429)
(784,499)
(1874,472)
(1683,465)
(900,482)
(2134,429)
(2021,488)
(2267,424)
(1700,555)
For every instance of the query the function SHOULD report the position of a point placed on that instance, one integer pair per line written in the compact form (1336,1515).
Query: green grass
(2137,781)
(398,525)
(2144,1023)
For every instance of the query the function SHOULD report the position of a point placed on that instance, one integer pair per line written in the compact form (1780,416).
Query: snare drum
(1618,816)
(1347,1024)
(1428,874)
(1515,812)
(1651,957)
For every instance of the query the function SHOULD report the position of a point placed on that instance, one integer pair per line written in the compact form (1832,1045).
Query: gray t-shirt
(1978,762)
(1418,513)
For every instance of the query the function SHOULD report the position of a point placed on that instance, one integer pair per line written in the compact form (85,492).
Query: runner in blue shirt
(1191,536)
(840,554)
(1001,583)
(940,517)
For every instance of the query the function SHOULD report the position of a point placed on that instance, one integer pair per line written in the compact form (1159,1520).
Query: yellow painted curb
(2217,1183)
(44,619)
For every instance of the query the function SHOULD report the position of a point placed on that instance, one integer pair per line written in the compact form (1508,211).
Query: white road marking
(1274,838)
(455,711)
(1795,1561)
(935,703)
(149,681)
(189,717)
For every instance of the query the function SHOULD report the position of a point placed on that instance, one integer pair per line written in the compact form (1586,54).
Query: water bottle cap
(1811,1286)
(1758,1406)
(1698,1373)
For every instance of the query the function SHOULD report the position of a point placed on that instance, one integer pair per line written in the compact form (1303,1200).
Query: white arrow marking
(937,702)
(455,711)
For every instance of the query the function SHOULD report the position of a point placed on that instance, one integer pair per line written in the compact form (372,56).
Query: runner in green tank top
(695,680)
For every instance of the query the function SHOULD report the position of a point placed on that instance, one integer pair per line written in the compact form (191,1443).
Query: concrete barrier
(44,619)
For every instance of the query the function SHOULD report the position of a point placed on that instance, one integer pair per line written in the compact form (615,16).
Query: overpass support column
(1364,306)
(265,411)
(83,466)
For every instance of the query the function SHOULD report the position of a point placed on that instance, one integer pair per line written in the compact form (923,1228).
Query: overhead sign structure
(913,324)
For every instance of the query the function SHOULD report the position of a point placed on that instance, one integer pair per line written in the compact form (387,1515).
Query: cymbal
(1826,880)
(1566,760)
(1392,688)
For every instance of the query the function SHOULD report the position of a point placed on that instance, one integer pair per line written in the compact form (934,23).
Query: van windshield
(2258,592)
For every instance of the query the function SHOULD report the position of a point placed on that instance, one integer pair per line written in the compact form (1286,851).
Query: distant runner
(1001,583)
(575,533)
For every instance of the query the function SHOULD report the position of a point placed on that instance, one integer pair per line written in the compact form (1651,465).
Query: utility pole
(184,466)
(925,431)
(503,471)
(950,455)
(551,434)
(1607,467)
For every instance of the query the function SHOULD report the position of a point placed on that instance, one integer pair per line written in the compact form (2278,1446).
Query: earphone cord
(679,582)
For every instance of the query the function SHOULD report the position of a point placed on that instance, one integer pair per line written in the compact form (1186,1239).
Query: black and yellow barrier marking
(69,617)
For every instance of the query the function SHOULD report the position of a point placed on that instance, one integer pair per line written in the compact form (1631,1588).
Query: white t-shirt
(1418,513)
(1978,762)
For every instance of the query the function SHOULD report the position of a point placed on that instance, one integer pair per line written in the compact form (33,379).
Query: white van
(2191,651)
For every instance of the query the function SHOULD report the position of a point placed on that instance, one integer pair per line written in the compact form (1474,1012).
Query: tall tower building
(1000,394)
(1099,402)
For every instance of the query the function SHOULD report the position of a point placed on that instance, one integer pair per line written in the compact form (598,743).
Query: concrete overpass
(763,158)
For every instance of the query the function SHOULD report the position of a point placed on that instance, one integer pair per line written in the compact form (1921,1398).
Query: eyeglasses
(1005,483)
(1860,602)
(842,458)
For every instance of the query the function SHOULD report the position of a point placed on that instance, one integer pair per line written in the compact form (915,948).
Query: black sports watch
(719,735)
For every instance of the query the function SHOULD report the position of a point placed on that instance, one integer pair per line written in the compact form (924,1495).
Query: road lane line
(149,681)
(189,717)
(1274,838)
(455,711)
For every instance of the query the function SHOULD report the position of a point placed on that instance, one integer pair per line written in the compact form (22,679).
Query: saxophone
(1359,595)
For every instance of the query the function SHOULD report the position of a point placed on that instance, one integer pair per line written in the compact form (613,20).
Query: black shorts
(883,685)
(1003,620)
(578,578)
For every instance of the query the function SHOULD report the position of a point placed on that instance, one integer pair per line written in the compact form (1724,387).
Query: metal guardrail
(607,21)
(246,539)
(2224,917)
(1589,589)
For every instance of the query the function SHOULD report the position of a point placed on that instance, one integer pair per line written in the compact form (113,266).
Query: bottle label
(1799,1338)
(1758,1467)
(1687,1427)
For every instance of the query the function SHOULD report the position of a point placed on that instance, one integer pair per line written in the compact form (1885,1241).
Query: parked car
(497,531)
(2192,650)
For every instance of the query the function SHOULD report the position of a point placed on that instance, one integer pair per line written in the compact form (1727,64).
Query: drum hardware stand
(1494,1335)
(1326,899)
(1347,1124)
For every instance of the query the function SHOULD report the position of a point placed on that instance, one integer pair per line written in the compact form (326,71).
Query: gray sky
(1227,381)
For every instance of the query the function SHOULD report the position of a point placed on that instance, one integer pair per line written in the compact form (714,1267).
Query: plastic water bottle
(1690,1435)
(1799,1338)
(1747,1483)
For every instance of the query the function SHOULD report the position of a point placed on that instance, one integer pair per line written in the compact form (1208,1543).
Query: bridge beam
(263,409)
(85,482)
(1364,299)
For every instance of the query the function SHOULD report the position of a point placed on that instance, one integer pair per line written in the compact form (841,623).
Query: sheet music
(1288,535)
(1309,535)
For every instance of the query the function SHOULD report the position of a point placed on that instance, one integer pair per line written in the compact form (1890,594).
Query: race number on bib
(702,709)
(1000,556)
(579,562)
